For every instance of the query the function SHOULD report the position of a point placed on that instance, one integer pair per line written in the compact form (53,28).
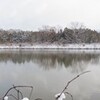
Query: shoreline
(94,46)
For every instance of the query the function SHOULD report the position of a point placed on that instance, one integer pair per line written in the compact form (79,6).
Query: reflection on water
(49,71)
(47,60)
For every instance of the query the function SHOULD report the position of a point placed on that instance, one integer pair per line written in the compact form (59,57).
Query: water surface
(49,71)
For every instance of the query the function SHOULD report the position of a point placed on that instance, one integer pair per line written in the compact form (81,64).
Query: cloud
(30,14)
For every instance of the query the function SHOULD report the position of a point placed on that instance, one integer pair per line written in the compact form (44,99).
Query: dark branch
(18,91)
(71,81)
(12,96)
(69,94)
(14,87)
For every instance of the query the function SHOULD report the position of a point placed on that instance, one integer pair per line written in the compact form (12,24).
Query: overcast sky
(32,14)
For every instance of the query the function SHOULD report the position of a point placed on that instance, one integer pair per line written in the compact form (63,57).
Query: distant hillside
(51,36)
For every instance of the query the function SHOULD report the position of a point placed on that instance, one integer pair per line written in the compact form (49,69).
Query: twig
(70,82)
(18,91)
(30,93)
(69,94)
(12,96)
(14,87)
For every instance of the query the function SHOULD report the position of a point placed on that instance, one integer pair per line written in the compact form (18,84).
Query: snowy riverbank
(52,46)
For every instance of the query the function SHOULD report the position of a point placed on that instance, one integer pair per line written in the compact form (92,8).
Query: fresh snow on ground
(51,46)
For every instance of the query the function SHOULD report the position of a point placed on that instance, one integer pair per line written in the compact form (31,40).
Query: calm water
(49,71)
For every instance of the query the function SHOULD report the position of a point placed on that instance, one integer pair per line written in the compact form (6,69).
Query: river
(49,71)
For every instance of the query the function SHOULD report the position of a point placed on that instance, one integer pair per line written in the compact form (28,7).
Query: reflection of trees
(51,60)
(47,60)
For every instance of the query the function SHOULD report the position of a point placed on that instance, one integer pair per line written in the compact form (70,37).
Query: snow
(53,46)
(25,98)
(62,97)
(6,98)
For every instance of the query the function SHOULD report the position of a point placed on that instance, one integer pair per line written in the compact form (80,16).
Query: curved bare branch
(72,81)
(14,87)
(69,94)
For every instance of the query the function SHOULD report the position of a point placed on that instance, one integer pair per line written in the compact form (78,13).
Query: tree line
(52,35)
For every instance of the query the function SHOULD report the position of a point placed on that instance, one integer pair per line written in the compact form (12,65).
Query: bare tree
(77,25)
(47,28)
(78,28)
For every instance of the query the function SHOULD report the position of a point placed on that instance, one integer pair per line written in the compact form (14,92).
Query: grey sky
(32,14)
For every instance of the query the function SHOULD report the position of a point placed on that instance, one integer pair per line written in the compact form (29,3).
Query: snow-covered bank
(53,46)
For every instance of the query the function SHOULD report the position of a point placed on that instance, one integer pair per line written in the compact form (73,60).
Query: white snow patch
(25,98)
(62,97)
(93,46)
(6,98)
